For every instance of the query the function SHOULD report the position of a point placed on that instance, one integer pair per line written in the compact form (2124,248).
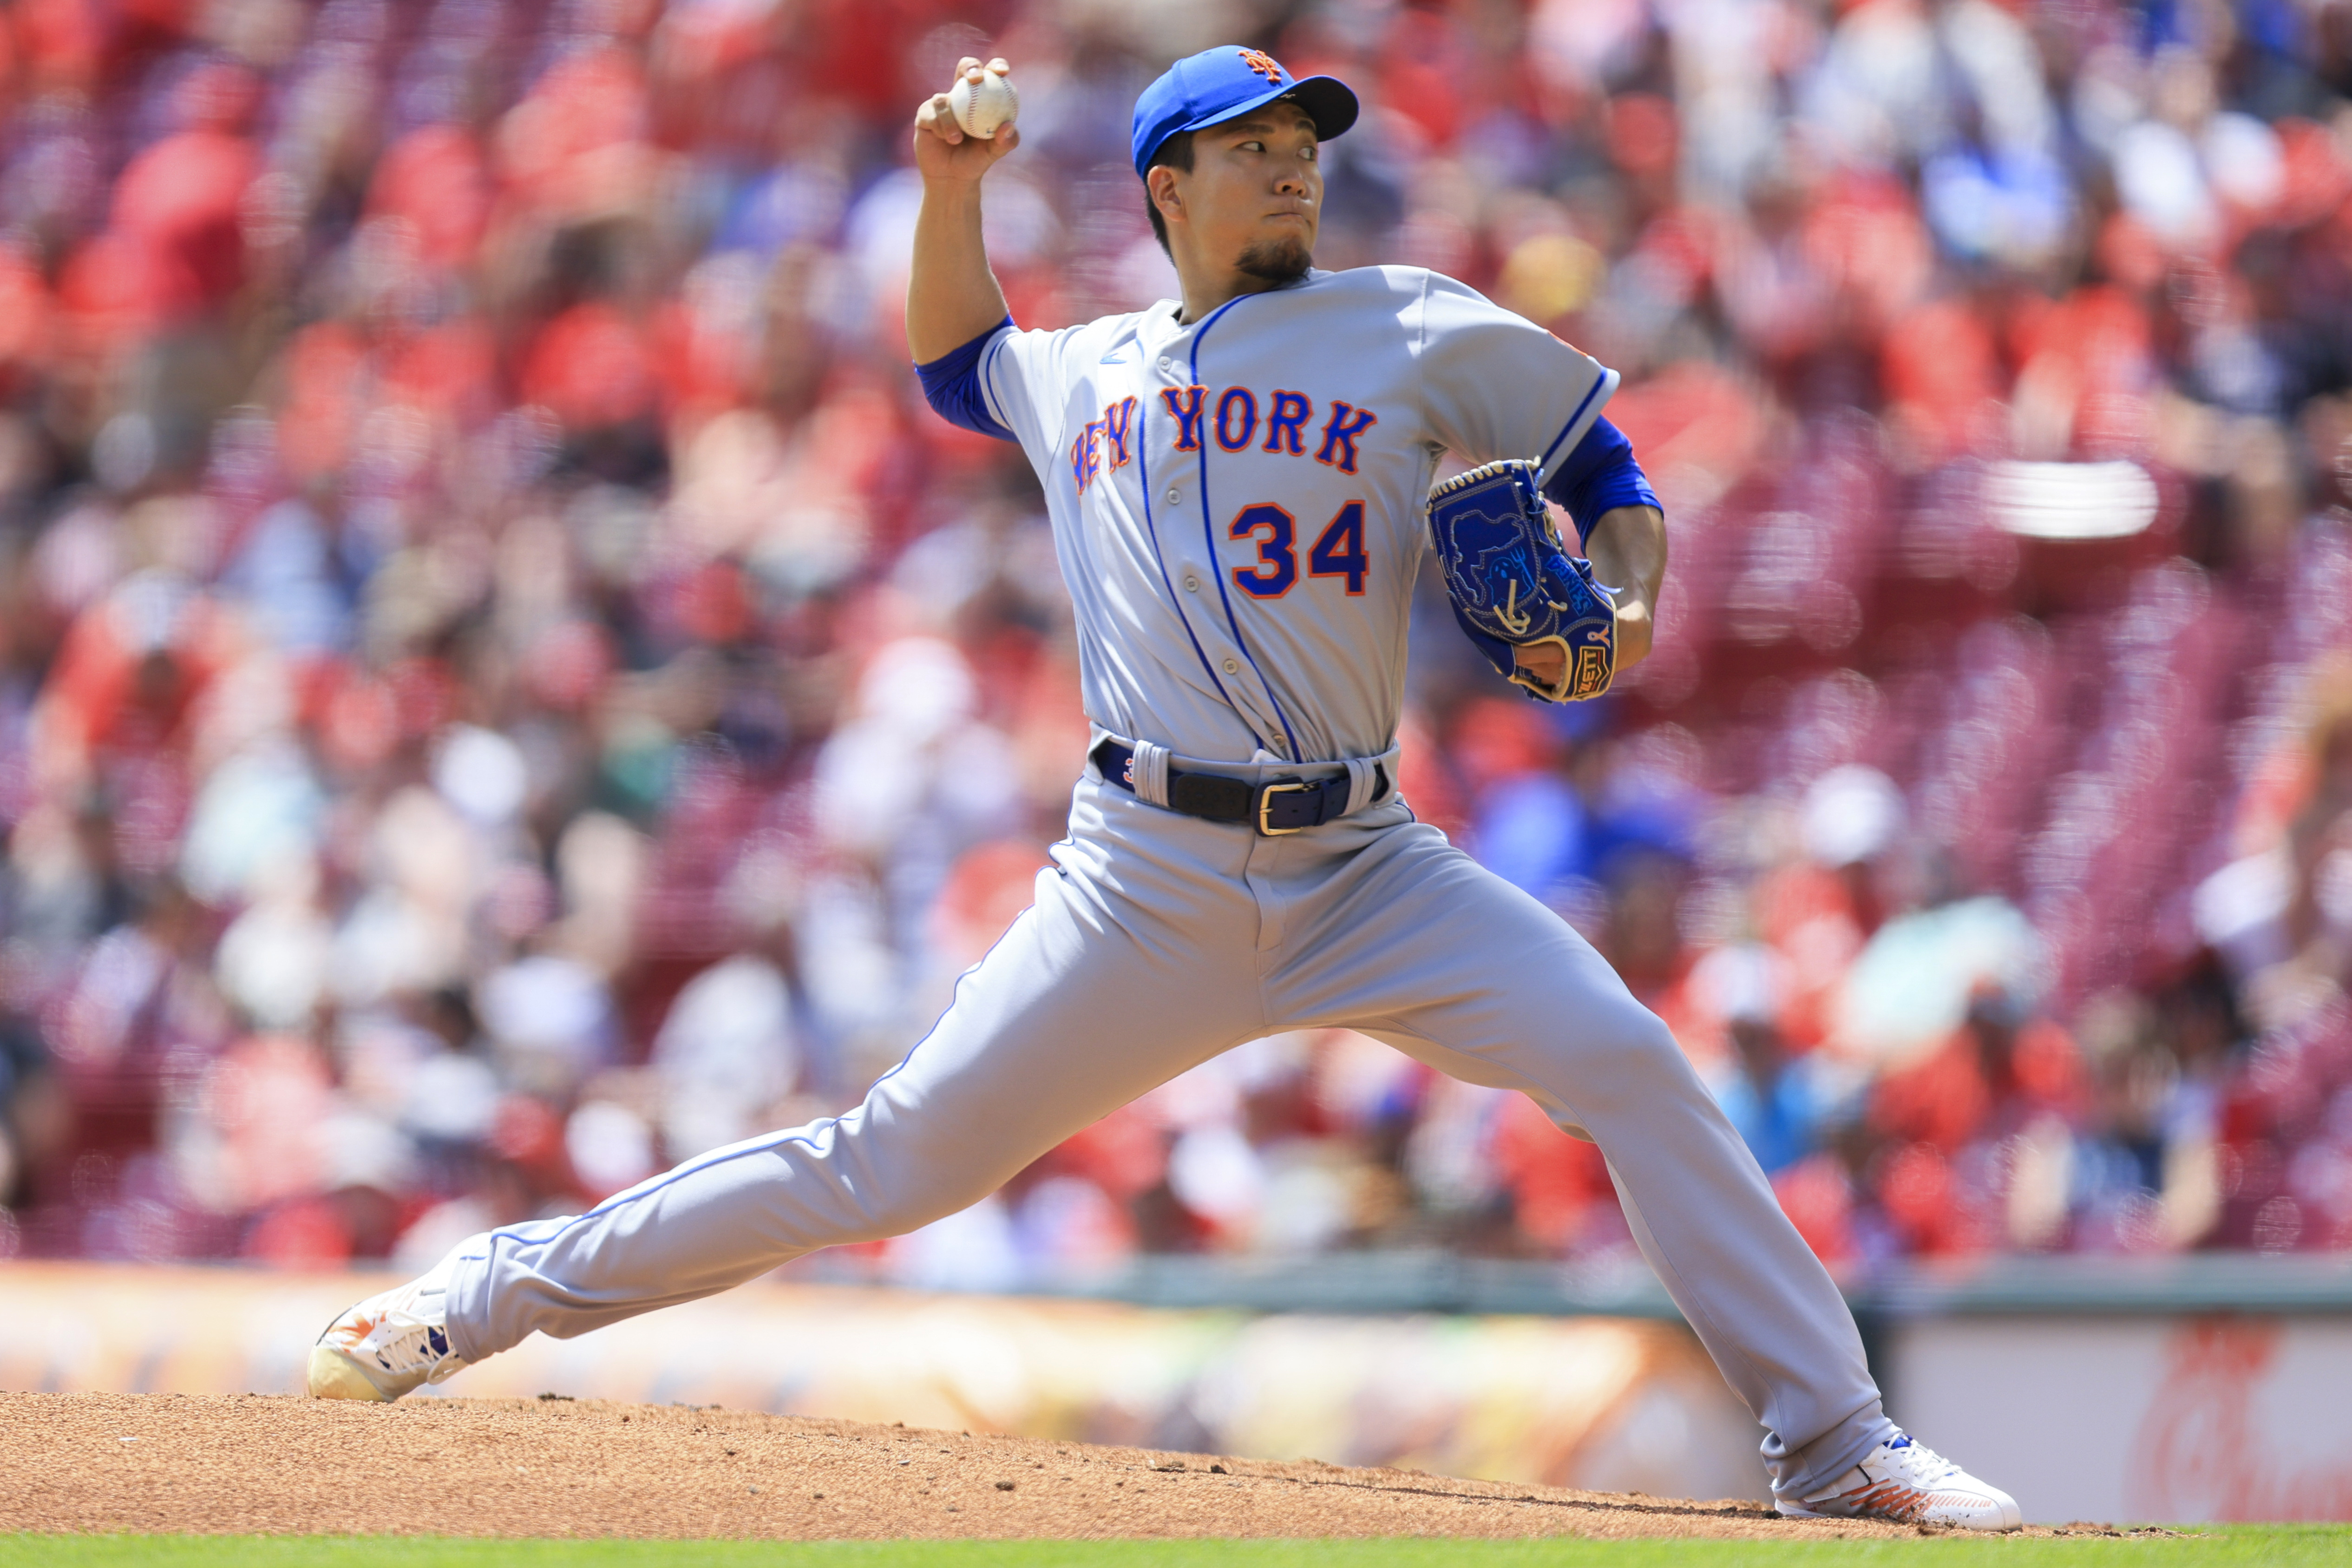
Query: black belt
(1273,808)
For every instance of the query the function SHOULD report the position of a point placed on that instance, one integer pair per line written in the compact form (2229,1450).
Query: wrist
(952,189)
(1635,631)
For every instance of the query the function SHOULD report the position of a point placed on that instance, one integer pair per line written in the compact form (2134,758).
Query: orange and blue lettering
(1185,406)
(1286,422)
(1341,553)
(1236,398)
(1118,430)
(1085,453)
(1277,557)
(1339,433)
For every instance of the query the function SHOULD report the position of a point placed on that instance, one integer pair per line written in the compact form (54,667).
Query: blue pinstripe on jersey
(1216,551)
(1160,559)
(1599,386)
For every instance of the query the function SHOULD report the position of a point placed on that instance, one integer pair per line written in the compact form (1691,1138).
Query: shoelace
(1919,1464)
(415,1345)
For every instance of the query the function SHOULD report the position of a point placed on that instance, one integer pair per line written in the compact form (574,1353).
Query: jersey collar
(1165,312)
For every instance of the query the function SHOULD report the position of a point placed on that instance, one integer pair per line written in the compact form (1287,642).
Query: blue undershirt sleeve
(1600,476)
(951,386)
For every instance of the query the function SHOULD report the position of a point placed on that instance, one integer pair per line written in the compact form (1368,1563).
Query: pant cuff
(1832,1453)
(466,1299)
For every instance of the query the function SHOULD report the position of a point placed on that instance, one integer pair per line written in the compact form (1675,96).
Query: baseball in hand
(980,106)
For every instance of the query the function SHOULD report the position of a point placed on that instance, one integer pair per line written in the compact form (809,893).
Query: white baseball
(981,107)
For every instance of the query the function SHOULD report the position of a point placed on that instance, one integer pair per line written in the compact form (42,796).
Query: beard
(1276,261)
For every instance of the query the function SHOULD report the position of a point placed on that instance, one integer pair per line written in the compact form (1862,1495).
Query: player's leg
(1066,1019)
(1418,944)
(1087,1002)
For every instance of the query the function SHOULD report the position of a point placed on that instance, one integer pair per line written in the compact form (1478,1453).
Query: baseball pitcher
(1240,487)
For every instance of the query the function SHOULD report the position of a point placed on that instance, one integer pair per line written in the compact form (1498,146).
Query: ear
(1160,184)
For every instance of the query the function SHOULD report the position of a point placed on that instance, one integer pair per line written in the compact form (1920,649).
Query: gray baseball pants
(1158,941)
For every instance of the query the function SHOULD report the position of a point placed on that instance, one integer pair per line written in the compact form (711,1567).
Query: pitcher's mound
(218,1463)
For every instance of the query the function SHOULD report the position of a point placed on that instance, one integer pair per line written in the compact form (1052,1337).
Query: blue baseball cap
(1216,85)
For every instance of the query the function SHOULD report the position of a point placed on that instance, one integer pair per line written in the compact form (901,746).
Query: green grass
(2268,1546)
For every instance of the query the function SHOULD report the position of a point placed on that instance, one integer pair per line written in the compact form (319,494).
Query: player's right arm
(951,295)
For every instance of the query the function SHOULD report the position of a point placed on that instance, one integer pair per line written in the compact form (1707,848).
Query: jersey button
(1174,496)
(1232,667)
(1167,363)
(1192,585)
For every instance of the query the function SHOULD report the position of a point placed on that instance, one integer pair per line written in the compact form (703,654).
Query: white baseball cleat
(394,1341)
(1908,1482)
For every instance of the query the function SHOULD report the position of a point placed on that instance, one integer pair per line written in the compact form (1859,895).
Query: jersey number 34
(1337,552)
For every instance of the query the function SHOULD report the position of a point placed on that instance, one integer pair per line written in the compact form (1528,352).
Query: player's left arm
(1627,548)
(1622,531)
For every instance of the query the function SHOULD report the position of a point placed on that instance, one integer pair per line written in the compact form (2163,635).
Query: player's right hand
(942,151)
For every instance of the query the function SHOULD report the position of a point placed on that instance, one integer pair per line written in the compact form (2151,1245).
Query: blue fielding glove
(1512,583)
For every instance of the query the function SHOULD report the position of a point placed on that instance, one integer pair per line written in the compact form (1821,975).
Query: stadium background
(503,684)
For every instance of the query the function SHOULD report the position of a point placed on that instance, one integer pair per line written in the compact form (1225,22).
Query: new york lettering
(1283,422)
(1114,430)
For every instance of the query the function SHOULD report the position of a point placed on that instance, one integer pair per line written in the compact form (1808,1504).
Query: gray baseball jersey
(1238,507)
(1237,502)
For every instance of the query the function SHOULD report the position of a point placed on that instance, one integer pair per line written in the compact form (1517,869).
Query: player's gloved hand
(942,151)
(1515,586)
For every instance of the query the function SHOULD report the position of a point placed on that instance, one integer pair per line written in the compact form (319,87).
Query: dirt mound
(552,1467)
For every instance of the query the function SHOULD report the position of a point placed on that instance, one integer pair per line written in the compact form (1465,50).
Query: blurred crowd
(504,685)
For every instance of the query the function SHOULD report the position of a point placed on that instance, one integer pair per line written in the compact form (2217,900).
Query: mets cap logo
(1265,64)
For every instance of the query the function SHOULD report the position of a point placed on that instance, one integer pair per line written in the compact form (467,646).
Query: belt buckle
(1267,792)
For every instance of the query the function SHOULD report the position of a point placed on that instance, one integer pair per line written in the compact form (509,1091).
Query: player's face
(1254,199)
